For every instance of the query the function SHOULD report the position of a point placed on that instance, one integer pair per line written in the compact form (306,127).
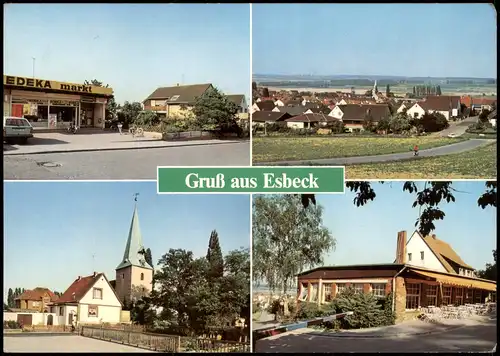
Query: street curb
(119,148)
(339,335)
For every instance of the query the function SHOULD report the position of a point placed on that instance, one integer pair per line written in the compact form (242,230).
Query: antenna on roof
(135,196)
(93,262)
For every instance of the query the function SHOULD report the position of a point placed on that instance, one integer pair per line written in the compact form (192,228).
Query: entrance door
(17,110)
(70,319)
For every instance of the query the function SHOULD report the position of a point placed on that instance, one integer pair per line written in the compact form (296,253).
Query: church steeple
(134,254)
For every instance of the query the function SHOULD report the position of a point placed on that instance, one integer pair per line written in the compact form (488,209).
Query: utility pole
(34,59)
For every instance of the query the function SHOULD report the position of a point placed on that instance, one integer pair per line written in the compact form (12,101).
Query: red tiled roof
(442,103)
(78,289)
(37,294)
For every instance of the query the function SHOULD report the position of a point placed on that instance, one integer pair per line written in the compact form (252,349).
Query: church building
(134,275)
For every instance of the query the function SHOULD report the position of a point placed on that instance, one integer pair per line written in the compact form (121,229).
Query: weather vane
(135,196)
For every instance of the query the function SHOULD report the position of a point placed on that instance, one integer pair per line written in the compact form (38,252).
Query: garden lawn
(275,149)
(480,163)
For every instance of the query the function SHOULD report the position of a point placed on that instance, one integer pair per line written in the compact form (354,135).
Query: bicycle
(136,131)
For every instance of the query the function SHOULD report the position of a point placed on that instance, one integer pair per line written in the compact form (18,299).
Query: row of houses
(427,272)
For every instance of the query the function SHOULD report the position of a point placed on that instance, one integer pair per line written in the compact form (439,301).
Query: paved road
(459,128)
(481,337)
(66,343)
(431,152)
(123,164)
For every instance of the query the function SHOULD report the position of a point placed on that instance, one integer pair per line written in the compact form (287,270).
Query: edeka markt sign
(53,85)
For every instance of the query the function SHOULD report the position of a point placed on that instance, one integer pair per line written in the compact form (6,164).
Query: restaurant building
(49,104)
(426,272)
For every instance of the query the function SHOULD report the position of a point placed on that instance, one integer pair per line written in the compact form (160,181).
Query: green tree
(368,123)
(142,312)
(383,125)
(214,257)
(10,298)
(265,92)
(388,91)
(149,257)
(147,118)
(286,239)
(483,116)
(129,112)
(490,272)
(400,123)
(438,90)
(111,106)
(433,122)
(430,197)
(214,111)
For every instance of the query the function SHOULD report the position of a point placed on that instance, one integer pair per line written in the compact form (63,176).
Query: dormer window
(174,98)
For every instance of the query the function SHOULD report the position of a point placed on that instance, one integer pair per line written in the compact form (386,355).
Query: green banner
(241,180)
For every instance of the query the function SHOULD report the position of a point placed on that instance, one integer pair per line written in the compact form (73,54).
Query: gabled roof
(441,103)
(266,105)
(37,294)
(444,252)
(79,288)
(266,116)
(358,112)
(134,250)
(180,94)
(311,118)
(236,98)
(292,110)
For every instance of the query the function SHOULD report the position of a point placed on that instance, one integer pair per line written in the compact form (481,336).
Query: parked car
(16,129)
(452,135)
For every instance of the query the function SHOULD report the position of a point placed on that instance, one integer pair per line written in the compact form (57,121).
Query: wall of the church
(132,276)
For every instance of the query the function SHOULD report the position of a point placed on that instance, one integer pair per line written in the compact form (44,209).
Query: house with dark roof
(35,300)
(307,121)
(88,300)
(266,105)
(426,272)
(259,118)
(448,106)
(172,101)
(354,115)
(292,110)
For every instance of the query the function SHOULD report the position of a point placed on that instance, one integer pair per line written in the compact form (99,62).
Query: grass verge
(480,163)
(275,149)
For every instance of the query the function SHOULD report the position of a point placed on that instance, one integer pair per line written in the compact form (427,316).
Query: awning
(457,281)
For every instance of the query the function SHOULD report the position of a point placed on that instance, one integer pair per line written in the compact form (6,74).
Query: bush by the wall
(11,324)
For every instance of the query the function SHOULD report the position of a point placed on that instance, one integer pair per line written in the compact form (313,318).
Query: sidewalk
(63,143)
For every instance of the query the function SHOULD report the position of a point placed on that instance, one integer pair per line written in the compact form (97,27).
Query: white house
(342,102)
(416,111)
(279,103)
(403,107)
(337,112)
(434,254)
(88,300)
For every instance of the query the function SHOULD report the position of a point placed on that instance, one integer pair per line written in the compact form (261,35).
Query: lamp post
(34,59)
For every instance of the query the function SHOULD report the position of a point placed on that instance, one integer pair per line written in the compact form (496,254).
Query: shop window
(409,257)
(304,292)
(358,287)
(314,292)
(378,289)
(327,292)
(493,297)
(459,296)
(341,287)
(431,293)
(412,296)
(446,295)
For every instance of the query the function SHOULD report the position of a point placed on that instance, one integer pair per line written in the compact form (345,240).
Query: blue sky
(368,234)
(134,48)
(51,230)
(436,40)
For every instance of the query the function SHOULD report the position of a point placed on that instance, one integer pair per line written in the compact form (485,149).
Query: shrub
(308,310)
(11,324)
(368,310)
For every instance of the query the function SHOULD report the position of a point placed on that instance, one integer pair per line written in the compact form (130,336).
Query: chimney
(434,236)
(401,248)
(79,277)
(95,274)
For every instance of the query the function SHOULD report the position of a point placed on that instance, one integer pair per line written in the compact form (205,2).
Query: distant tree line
(422,90)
